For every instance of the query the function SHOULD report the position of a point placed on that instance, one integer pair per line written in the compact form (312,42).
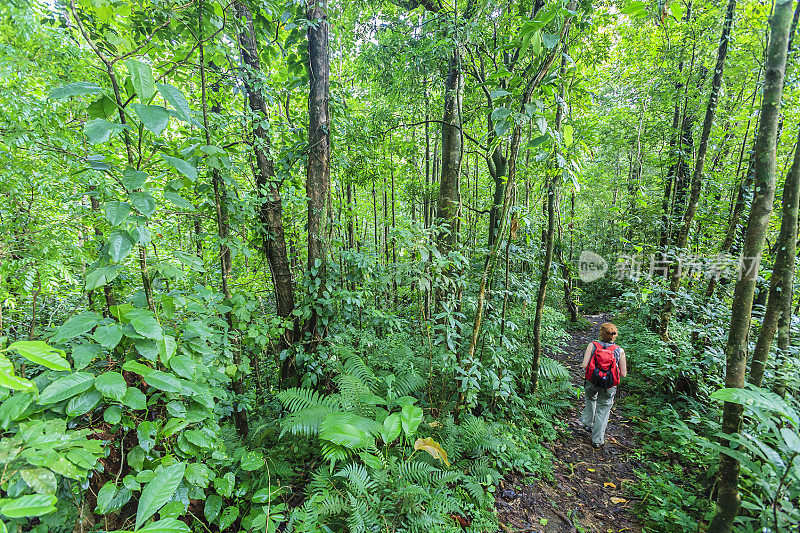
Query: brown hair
(607,332)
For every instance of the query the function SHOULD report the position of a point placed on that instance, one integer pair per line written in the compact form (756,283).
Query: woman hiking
(604,363)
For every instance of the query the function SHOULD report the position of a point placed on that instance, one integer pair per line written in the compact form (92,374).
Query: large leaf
(346,429)
(142,78)
(117,212)
(391,428)
(159,491)
(79,88)
(83,403)
(758,398)
(410,417)
(108,336)
(100,130)
(163,381)
(154,117)
(119,245)
(83,354)
(77,325)
(177,100)
(111,385)
(147,326)
(101,276)
(143,202)
(433,448)
(133,179)
(66,387)
(181,166)
(166,525)
(28,506)
(41,353)
(134,399)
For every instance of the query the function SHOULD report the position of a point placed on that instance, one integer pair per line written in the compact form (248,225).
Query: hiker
(605,364)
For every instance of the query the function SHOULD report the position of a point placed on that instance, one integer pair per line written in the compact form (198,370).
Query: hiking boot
(598,446)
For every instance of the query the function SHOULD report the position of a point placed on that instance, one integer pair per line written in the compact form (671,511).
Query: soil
(587,493)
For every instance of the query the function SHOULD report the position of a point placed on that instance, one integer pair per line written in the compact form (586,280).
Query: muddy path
(587,493)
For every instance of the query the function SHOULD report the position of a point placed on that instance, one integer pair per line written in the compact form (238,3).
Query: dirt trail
(587,493)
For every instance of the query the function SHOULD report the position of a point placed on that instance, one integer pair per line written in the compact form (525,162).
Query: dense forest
(309,266)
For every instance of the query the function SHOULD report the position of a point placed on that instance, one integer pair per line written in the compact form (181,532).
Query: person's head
(608,332)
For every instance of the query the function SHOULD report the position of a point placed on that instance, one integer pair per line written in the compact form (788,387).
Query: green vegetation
(321,266)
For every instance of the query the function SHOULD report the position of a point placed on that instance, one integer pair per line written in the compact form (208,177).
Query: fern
(552,370)
(355,366)
(417,471)
(362,516)
(306,421)
(358,479)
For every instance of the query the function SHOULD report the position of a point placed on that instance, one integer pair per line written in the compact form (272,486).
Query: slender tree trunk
(782,280)
(270,211)
(553,183)
(448,209)
(697,176)
(318,178)
(728,499)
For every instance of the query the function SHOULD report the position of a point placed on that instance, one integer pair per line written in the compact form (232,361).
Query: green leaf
(84,354)
(147,326)
(229,516)
(111,385)
(758,398)
(178,200)
(166,525)
(133,179)
(252,461)
(410,417)
(112,414)
(190,260)
(40,480)
(77,325)
(134,399)
(29,506)
(181,166)
(142,78)
(143,202)
(167,347)
(183,366)
(154,117)
(500,114)
(391,428)
(177,100)
(499,93)
(66,387)
(163,381)
(83,403)
(212,507)
(568,130)
(13,407)
(79,88)
(159,491)
(119,245)
(42,354)
(108,336)
(100,130)
(117,212)
(101,276)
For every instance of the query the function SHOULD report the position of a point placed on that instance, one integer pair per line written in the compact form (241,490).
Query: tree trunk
(270,211)
(782,280)
(728,499)
(318,177)
(552,199)
(448,208)
(697,177)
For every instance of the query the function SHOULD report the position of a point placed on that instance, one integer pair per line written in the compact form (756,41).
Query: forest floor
(586,494)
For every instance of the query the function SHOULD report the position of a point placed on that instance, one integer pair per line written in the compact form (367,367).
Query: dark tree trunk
(728,499)
(318,177)
(448,208)
(697,177)
(270,211)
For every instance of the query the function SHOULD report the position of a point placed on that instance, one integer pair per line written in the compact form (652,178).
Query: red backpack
(603,370)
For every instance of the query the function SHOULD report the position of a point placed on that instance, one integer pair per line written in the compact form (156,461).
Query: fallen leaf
(616,500)
(590,469)
(610,485)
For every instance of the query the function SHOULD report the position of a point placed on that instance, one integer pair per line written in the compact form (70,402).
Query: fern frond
(298,398)
(306,421)
(417,471)
(356,367)
(552,370)
(357,478)
(362,517)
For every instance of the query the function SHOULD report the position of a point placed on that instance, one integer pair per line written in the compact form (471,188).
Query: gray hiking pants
(598,407)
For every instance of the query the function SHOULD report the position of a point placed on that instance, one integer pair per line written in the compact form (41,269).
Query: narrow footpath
(587,494)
